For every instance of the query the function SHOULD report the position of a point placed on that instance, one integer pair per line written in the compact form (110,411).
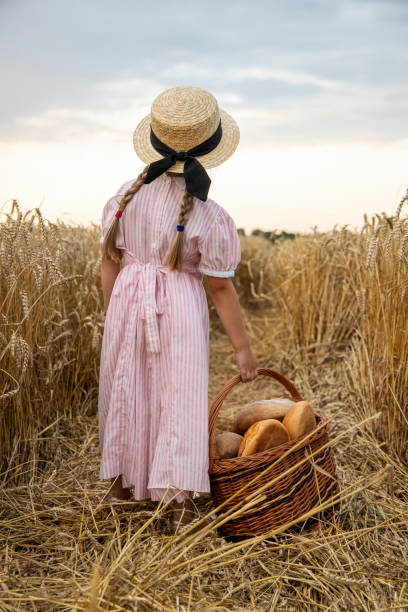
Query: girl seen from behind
(154,367)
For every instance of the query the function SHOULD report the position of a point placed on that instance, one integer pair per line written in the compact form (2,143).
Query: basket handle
(217,403)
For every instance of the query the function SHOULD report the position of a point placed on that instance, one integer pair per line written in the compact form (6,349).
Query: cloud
(348,112)
(288,72)
(294,78)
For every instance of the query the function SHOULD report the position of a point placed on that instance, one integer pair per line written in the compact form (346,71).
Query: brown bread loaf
(227,444)
(261,436)
(275,408)
(300,420)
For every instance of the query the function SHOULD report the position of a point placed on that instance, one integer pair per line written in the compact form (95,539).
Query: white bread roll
(227,444)
(275,408)
(263,435)
(300,420)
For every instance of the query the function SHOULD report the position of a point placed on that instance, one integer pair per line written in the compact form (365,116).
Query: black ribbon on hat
(197,180)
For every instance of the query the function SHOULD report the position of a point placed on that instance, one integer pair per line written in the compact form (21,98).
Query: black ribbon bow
(197,180)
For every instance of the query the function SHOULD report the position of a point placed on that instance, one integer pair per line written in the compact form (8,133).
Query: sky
(317,87)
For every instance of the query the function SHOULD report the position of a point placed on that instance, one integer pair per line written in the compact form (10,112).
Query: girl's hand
(246,364)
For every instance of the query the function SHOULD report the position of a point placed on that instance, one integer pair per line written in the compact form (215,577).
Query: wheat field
(328,310)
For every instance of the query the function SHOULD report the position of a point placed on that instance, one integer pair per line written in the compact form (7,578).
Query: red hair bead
(118,214)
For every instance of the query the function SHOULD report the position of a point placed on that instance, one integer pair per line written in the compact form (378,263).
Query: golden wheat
(326,309)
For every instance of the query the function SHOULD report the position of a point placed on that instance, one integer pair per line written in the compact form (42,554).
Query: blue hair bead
(180,228)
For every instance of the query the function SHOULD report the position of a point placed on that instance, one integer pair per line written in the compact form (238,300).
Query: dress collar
(172,180)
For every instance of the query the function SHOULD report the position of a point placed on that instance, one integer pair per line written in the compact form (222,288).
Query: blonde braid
(175,261)
(109,249)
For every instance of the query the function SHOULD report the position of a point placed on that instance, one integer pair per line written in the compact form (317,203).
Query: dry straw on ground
(329,310)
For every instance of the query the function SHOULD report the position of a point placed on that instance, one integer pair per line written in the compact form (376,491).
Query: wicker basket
(296,493)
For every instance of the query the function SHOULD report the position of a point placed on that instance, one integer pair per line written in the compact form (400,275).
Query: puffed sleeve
(220,248)
(108,214)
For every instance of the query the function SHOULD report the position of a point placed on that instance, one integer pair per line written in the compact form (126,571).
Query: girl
(153,384)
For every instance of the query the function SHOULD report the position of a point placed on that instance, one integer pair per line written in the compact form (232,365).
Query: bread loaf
(300,420)
(275,408)
(227,444)
(261,436)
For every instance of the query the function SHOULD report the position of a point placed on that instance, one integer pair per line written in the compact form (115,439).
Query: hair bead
(118,214)
(180,228)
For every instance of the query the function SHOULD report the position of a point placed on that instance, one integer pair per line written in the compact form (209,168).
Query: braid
(175,261)
(109,249)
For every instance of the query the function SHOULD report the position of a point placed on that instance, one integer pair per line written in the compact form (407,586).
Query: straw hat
(182,118)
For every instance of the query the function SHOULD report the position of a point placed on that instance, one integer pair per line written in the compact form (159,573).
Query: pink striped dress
(154,365)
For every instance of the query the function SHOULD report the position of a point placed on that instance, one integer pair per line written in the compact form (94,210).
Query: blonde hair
(175,260)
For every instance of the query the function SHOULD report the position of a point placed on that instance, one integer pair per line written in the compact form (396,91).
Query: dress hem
(172,493)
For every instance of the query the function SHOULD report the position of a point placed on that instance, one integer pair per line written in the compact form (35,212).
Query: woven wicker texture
(182,118)
(309,484)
